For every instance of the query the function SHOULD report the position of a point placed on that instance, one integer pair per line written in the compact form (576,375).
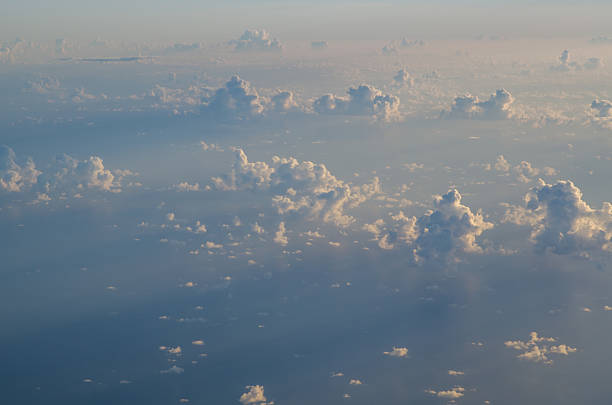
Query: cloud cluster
(523,171)
(304,187)
(65,175)
(497,107)
(238,100)
(452,227)
(538,349)
(561,221)
(256,40)
(15,177)
(85,174)
(362,100)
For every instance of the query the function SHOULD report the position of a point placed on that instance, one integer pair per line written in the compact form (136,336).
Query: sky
(305,202)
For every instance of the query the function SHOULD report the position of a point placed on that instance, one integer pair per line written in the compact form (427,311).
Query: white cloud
(453,393)
(185,186)
(284,102)
(452,227)
(561,221)
(85,174)
(298,187)
(538,349)
(256,40)
(497,107)
(254,395)
(363,100)
(280,236)
(237,100)
(397,352)
(13,176)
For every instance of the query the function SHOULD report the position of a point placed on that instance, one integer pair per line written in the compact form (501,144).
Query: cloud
(284,102)
(185,186)
(173,370)
(602,107)
(397,352)
(254,395)
(15,177)
(453,393)
(561,221)
(236,100)
(538,349)
(256,40)
(363,100)
(85,174)
(280,236)
(566,64)
(298,187)
(438,234)
(319,45)
(403,79)
(497,107)
(601,113)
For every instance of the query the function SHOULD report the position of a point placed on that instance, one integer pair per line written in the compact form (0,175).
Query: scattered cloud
(538,349)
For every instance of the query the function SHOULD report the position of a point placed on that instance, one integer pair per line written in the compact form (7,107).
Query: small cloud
(173,370)
(397,352)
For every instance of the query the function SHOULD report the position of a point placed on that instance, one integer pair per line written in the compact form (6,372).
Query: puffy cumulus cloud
(453,393)
(254,395)
(280,236)
(438,234)
(561,221)
(86,174)
(256,40)
(397,352)
(284,102)
(237,100)
(298,187)
(362,100)
(403,79)
(451,227)
(15,177)
(497,107)
(538,349)
(524,171)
